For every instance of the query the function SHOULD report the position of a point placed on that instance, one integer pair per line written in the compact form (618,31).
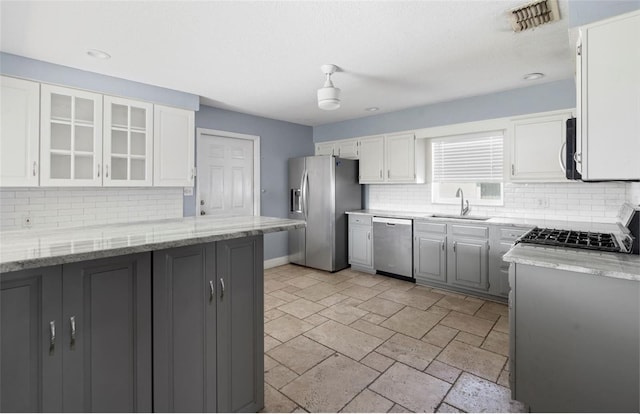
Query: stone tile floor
(354,342)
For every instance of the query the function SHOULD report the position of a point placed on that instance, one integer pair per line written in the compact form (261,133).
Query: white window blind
(468,158)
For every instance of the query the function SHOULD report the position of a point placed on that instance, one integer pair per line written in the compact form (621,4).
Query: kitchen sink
(457,216)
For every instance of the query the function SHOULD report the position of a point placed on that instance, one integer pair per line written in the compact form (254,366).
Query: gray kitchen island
(162,316)
(574,320)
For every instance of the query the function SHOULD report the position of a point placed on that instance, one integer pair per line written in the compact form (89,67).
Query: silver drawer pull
(72,322)
(98,170)
(106,174)
(35,165)
(221,288)
(211,290)
(52,335)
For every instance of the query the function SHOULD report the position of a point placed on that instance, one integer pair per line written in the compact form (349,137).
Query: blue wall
(37,70)
(279,141)
(545,97)
(586,11)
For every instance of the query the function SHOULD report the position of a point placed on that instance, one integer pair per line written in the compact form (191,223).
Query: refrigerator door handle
(305,191)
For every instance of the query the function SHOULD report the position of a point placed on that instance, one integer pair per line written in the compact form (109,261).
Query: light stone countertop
(26,249)
(617,265)
(500,221)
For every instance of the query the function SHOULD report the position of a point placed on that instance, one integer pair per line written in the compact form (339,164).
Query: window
(472,162)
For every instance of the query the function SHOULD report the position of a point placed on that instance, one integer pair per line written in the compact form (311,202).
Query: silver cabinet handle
(98,170)
(35,165)
(106,174)
(442,245)
(380,173)
(211,290)
(513,169)
(388,173)
(52,335)
(454,246)
(560,158)
(369,235)
(72,322)
(221,288)
(193,173)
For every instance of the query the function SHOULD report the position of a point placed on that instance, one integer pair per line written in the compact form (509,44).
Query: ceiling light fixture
(328,95)
(372,109)
(98,54)
(533,76)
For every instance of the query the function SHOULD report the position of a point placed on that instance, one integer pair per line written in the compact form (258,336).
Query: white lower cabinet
(538,147)
(19,132)
(360,242)
(173,147)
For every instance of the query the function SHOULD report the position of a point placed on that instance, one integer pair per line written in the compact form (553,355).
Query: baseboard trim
(276,261)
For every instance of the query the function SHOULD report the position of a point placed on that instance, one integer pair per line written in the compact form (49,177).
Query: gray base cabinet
(574,341)
(361,242)
(501,241)
(208,327)
(106,335)
(30,351)
(430,252)
(76,338)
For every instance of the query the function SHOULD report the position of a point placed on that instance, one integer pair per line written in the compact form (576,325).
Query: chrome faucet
(464,210)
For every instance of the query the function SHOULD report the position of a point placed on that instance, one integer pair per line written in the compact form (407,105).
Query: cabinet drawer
(512,233)
(359,219)
(472,231)
(423,227)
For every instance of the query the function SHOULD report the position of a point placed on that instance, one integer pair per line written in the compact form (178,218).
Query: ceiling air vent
(534,14)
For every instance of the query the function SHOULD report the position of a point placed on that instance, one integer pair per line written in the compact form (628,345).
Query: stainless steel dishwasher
(392,246)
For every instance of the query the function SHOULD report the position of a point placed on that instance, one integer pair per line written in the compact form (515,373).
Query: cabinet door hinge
(579,50)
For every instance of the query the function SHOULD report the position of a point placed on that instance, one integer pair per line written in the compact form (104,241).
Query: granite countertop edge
(614,265)
(215,234)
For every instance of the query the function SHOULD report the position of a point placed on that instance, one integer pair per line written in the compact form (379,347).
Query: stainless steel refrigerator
(321,189)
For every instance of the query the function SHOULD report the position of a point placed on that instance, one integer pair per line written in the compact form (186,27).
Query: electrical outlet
(26,221)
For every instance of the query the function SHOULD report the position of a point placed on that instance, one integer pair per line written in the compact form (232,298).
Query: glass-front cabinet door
(70,137)
(128,138)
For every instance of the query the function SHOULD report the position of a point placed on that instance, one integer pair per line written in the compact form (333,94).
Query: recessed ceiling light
(372,109)
(533,76)
(98,54)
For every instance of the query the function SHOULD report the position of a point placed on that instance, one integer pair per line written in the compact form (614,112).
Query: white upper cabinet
(19,132)
(127,142)
(538,147)
(324,148)
(70,137)
(400,156)
(347,148)
(392,159)
(173,147)
(608,85)
(372,160)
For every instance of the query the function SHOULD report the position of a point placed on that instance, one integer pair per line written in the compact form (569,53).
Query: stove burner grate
(605,242)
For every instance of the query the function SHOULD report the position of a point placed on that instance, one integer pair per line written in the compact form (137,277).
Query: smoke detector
(328,95)
(534,14)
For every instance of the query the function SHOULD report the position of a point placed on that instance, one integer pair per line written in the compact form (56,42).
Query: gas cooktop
(605,242)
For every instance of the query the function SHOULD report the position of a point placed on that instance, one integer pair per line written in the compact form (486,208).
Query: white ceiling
(264,57)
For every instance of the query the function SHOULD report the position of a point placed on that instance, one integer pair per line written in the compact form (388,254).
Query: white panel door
(401,157)
(610,99)
(173,147)
(19,133)
(225,176)
(537,149)
(372,160)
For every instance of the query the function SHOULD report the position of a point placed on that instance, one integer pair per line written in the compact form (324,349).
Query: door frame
(255,139)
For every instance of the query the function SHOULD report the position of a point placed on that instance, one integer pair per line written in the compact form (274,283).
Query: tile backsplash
(72,207)
(574,201)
